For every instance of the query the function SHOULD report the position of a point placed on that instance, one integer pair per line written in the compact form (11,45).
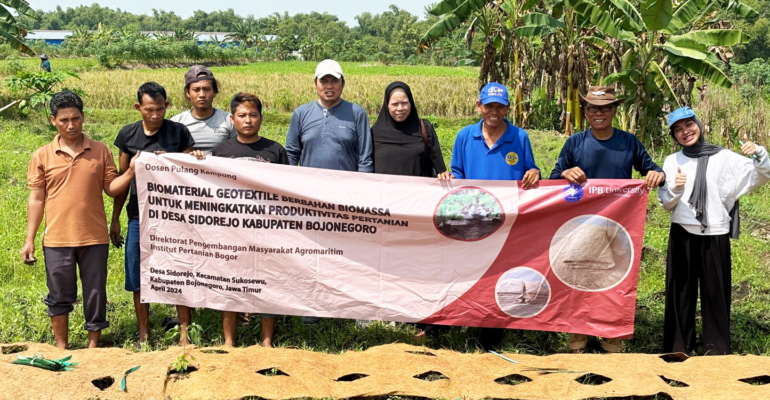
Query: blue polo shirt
(509,159)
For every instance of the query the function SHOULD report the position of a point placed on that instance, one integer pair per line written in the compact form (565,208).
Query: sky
(345,10)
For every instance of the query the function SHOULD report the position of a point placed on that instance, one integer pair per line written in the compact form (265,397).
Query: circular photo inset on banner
(591,253)
(522,292)
(468,213)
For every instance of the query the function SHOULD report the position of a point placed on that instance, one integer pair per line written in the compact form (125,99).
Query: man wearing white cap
(330,133)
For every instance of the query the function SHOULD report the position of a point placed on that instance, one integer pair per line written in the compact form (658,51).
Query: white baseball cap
(328,67)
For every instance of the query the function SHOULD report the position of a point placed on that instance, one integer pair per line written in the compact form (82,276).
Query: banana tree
(10,31)
(502,51)
(570,29)
(661,37)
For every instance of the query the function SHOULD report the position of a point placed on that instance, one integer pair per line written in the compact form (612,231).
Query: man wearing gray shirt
(209,126)
(330,133)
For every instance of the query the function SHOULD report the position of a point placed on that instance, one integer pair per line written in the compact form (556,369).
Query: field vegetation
(443,95)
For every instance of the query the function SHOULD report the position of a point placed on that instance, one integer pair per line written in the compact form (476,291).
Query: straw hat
(600,96)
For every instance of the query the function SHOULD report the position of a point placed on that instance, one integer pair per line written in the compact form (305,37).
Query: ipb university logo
(573,193)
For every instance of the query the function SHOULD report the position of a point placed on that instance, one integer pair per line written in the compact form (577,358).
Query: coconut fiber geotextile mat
(395,369)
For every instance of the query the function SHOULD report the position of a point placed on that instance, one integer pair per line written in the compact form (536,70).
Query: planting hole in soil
(674,383)
(422,353)
(272,372)
(14,348)
(103,382)
(757,380)
(431,376)
(593,379)
(213,351)
(674,357)
(350,377)
(657,396)
(512,380)
(189,370)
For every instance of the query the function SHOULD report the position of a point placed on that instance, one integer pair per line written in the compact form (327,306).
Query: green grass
(68,64)
(23,315)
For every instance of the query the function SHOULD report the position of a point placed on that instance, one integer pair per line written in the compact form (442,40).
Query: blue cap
(494,92)
(680,114)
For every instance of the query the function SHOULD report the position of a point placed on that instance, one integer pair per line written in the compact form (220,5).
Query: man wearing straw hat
(603,152)
(45,65)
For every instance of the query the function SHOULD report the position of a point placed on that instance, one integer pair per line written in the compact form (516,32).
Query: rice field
(283,86)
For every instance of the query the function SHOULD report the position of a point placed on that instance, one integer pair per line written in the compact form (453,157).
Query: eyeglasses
(604,109)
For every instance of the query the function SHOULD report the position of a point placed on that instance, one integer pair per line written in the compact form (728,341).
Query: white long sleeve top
(729,176)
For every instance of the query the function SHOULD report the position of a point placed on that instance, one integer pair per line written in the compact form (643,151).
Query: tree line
(389,36)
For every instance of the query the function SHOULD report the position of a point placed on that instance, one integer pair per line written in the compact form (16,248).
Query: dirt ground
(396,369)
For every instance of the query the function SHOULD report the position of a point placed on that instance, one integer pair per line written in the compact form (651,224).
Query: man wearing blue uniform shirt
(603,152)
(330,133)
(494,149)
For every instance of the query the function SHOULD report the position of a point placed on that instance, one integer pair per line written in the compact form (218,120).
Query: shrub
(12,66)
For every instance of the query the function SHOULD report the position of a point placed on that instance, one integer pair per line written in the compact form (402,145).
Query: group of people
(700,184)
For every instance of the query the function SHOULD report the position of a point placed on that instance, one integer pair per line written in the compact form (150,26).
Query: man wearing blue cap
(703,184)
(494,149)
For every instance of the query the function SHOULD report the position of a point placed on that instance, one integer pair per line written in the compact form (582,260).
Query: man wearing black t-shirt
(246,116)
(248,145)
(156,134)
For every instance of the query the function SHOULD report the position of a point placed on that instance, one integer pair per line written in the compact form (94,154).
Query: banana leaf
(21,7)
(538,19)
(450,19)
(13,36)
(703,68)
(714,37)
(741,9)
(683,51)
(686,13)
(662,83)
(531,31)
(628,59)
(628,78)
(633,17)
(657,14)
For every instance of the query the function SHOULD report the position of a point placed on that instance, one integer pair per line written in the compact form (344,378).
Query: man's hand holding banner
(238,235)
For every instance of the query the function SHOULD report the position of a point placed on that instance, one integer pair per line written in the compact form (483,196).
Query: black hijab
(399,147)
(388,130)
(702,150)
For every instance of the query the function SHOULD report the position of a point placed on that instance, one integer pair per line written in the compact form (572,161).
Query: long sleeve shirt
(508,159)
(334,138)
(604,159)
(728,177)
(410,156)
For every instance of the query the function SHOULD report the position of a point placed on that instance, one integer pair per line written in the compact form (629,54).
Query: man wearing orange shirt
(66,179)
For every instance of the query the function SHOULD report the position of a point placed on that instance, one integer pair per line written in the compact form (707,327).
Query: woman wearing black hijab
(703,184)
(404,144)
